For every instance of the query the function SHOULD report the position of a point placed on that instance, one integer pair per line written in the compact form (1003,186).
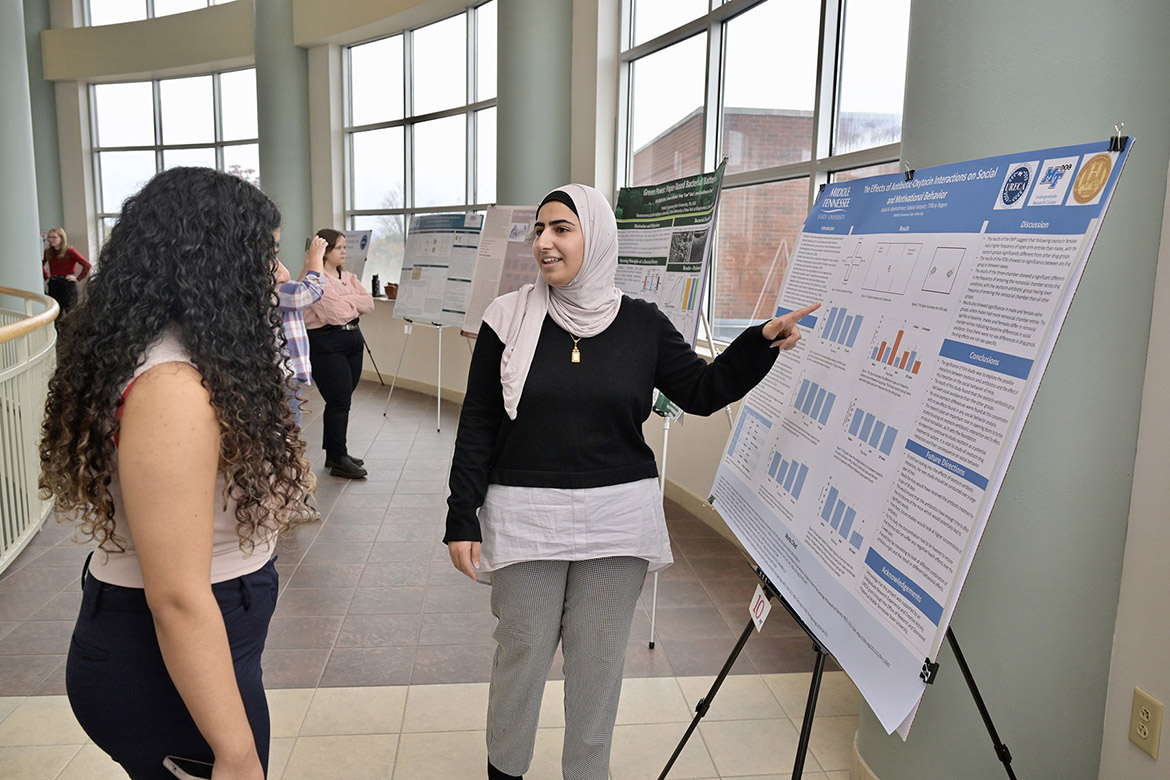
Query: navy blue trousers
(119,687)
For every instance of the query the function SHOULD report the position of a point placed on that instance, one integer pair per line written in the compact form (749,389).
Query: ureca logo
(1016,185)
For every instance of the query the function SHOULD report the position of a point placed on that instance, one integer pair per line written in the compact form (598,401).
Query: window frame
(822,165)
(469,110)
(102,212)
(149,10)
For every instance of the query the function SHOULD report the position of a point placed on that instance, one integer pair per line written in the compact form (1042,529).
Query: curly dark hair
(193,252)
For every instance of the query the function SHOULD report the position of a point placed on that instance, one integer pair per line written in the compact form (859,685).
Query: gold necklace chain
(576,356)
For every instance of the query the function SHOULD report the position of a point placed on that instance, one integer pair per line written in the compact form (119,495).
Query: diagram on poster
(504,262)
(437,268)
(664,244)
(861,472)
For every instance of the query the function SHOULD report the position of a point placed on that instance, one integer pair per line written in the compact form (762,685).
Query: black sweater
(579,425)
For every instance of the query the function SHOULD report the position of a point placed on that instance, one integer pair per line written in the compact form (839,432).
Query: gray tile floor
(379,650)
(369,597)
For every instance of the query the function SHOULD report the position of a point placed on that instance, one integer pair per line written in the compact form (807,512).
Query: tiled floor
(379,651)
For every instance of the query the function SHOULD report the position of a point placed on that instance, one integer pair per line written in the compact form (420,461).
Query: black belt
(60,279)
(351,325)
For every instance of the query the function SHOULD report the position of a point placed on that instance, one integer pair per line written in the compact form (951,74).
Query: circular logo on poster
(1092,178)
(365,240)
(1016,185)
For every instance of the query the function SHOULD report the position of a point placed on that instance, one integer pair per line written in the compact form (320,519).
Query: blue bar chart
(745,446)
(789,474)
(841,327)
(840,517)
(867,428)
(815,401)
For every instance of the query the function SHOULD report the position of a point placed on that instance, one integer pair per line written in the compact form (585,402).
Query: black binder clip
(909,171)
(929,671)
(1118,142)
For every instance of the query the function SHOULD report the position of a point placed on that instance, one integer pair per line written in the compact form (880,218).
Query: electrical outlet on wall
(1145,722)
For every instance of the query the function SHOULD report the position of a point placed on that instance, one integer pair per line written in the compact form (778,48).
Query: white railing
(27,359)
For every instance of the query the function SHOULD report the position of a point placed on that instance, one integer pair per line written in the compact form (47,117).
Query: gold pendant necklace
(576,356)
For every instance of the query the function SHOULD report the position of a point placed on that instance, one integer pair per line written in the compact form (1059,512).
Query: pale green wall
(282,108)
(44,119)
(533,125)
(20,265)
(1036,618)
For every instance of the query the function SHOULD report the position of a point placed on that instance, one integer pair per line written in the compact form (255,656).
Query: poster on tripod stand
(860,474)
(664,244)
(437,268)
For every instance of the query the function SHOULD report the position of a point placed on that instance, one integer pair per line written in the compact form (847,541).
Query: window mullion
(217,109)
(408,111)
(156,93)
(472,124)
(825,98)
(712,100)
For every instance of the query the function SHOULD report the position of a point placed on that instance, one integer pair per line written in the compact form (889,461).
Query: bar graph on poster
(861,472)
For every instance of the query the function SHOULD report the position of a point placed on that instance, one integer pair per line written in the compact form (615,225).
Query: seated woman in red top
(59,266)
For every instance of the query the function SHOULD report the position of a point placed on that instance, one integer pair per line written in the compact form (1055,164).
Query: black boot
(347,468)
(330,462)
(495,774)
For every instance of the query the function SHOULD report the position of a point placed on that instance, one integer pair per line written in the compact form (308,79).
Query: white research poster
(861,472)
(664,244)
(437,268)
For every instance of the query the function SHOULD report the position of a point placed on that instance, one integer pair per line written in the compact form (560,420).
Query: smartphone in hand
(187,769)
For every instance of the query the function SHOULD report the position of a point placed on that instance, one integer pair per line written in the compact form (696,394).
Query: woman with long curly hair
(168,439)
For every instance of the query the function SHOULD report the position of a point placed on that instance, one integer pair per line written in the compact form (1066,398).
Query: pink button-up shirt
(343,300)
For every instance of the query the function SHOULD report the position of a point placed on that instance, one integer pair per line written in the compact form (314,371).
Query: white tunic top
(572,524)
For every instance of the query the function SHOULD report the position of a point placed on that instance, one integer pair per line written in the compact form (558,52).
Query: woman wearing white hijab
(554,497)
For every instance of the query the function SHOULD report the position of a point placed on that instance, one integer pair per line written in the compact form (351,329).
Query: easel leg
(439,387)
(372,362)
(662,491)
(705,702)
(397,370)
(814,690)
(1001,750)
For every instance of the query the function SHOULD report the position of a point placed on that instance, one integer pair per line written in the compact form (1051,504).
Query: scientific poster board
(861,472)
(357,249)
(437,267)
(664,244)
(504,262)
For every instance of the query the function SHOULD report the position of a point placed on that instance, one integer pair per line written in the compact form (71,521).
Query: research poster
(357,249)
(504,262)
(437,268)
(860,474)
(664,243)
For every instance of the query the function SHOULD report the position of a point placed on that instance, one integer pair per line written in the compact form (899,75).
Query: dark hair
(330,235)
(193,252)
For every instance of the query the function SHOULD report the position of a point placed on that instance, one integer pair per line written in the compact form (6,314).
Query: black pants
(119,687)
(336,356)
(64,292)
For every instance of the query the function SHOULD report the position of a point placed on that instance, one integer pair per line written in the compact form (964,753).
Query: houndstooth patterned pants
(588,607)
